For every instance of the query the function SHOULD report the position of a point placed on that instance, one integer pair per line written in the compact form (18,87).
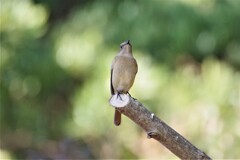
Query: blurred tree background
(55,68)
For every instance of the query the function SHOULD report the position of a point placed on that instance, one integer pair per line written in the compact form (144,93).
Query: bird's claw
(131,96)
(118,95)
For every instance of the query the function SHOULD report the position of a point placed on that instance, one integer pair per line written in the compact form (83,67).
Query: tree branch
(159,130)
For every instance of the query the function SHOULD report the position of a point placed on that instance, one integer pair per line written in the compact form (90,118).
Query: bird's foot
(131,96)
(118,95)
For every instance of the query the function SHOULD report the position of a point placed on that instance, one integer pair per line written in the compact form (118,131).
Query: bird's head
(126,43)
(126,47)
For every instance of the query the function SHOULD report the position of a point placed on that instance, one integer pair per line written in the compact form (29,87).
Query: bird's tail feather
(117,118)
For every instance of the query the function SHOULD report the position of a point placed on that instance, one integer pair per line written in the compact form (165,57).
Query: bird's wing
(111,86)
(136,66)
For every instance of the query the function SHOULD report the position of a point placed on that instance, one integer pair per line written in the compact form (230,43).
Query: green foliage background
(55,59)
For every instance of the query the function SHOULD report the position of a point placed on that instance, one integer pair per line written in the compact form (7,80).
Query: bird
(123,72)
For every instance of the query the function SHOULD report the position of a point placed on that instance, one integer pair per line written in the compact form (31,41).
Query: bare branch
(159,130)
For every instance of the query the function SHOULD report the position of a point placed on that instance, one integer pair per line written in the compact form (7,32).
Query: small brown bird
(123,71)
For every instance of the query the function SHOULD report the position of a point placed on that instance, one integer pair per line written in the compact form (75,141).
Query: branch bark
(159,130)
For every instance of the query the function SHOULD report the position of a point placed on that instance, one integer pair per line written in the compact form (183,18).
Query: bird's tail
(117,118)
